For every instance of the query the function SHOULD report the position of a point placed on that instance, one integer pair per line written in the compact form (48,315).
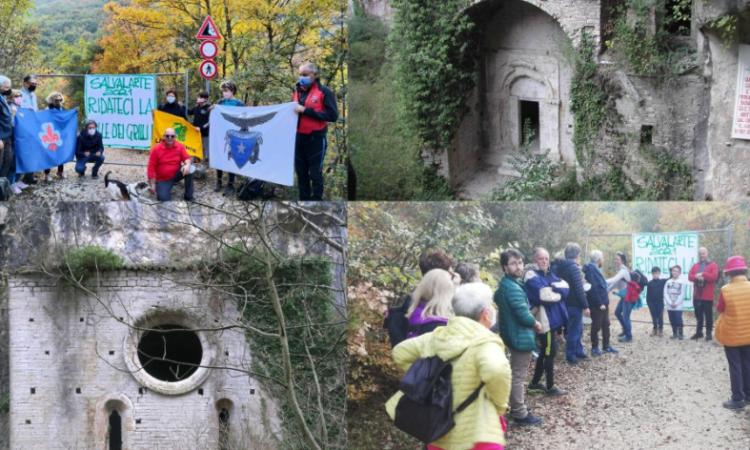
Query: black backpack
(396,321)
(425,411)
(251,189)
(638,277)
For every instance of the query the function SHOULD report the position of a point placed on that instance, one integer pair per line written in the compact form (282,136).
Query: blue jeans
(164,188)
(657,314)
(96,160)
(573,346)
(622,312)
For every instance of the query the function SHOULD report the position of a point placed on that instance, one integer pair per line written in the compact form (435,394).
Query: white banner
(121,105)
(255,141)
(664,250)
(741,122)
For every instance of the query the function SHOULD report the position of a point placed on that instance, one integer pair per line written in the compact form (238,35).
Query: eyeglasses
(170,136)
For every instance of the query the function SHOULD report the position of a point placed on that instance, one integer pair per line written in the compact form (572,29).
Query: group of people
(169,162)
(453,315)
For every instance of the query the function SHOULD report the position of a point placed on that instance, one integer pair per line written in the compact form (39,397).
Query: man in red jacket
(703,274)
(316,107)
(167,165)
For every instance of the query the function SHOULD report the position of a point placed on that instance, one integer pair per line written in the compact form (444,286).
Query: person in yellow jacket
(733,330)
(479,426)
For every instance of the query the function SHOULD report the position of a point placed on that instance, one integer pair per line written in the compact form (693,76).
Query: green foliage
(436,58)
(385,149)
(18,52)
(726,27)
(587,100)
(83,262)
(537,173)
(399,232)
(653,52)
(672,178)
(67,25)
(304,287)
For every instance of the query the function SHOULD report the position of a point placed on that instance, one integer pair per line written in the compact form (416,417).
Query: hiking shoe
(596,352)
(229,190)
(733,404)
(218,188)
(661,332)
(572,361)
(582,356)
(555,392)
(528,420)
(94,177)
(625,339)
(708,337)
(610,349)
(536,388)
(696,336)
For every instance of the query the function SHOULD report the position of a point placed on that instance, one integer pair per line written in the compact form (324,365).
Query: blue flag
(44,139)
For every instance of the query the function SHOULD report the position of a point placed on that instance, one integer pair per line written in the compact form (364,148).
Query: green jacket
(515,322)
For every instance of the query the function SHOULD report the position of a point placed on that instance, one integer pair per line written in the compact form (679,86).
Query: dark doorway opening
(223,429)
(170,352)
(529,121)
(115,431)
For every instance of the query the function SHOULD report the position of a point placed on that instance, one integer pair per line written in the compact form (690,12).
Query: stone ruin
(77,366)
(525,72)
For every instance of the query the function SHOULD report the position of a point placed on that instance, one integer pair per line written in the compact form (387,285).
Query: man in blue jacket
(598,298)
(548,292)
(569,270)
(517,327)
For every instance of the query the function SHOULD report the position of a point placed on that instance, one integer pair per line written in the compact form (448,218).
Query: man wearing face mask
(167,165)
(172,106)
(28,94)
(317,106)
(90,149)
(7,159)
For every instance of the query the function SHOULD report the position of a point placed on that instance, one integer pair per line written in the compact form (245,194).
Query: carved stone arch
(104,407)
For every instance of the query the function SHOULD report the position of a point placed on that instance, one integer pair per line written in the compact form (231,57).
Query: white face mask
(91,131)
(227,94)
(171,99)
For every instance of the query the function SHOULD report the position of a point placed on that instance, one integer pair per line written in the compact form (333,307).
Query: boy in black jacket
(655,301)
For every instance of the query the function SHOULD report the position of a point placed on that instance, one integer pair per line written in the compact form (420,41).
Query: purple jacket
(419,325)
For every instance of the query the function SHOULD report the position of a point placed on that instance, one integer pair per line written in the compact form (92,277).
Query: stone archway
(525,72)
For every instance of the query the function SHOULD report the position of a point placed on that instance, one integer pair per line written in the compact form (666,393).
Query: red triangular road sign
(208,30)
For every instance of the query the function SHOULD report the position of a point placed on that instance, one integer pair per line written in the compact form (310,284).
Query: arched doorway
(525,73)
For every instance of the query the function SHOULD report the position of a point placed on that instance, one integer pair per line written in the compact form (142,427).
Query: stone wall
(72,354)
(4,366)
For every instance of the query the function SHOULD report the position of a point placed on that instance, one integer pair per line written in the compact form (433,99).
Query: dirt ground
(656,393)
(74,188)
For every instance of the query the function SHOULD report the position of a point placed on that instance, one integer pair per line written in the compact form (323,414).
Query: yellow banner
(186,132)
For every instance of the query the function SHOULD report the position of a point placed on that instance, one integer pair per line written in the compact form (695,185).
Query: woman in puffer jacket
(480,358)
(431,302)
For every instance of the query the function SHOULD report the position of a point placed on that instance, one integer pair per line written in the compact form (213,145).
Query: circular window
(166,351)
(170,352)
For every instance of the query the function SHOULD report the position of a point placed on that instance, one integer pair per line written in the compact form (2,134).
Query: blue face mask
(305,81)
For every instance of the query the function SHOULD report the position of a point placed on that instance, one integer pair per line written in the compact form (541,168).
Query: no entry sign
(209,49)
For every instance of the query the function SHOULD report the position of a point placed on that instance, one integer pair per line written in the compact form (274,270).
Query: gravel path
(656,393)
(74,188)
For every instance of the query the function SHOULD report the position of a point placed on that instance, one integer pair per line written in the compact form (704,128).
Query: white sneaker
(21,184)
(16,190)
